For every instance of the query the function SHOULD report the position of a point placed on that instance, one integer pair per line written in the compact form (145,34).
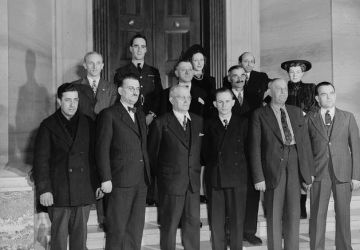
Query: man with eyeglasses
(123,165)
(149,77)
(174,150)
(184,73)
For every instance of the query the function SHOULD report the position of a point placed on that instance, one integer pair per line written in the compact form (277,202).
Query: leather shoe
(252,239)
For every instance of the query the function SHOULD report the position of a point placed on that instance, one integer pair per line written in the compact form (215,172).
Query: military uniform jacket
(150,83)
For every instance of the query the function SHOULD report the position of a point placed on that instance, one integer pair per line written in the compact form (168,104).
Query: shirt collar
(331,111)
(276,107)
(180,116)
(91,80)
(236,93)
(227,117)
(185,84)
(135,62)
(126,105)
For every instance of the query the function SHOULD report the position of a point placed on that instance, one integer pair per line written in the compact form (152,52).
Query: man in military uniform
(150,82)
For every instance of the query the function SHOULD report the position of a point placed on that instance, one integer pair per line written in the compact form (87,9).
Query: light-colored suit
(337,162)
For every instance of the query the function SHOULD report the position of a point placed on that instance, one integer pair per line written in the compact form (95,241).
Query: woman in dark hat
(196,55)
(301,95)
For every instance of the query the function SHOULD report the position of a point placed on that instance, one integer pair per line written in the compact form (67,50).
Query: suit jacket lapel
(272,122)
(176,128)
(81,132)
(142,125)
(101,90)
(125,117)
(318,123)
(59,129)
(294,123)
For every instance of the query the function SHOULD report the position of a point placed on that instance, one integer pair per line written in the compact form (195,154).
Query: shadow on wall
(34,104)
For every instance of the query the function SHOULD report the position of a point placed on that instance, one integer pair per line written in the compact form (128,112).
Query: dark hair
(322,84)
(243,54)
(223,90)
(92,53)
(65,87)
(127,76)
(234,67)
(138,36)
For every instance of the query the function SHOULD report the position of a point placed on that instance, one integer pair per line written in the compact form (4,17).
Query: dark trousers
(184,209)
(125,216)
(252,208)
(69,222)
(283,205)
(223,203)
(319,199)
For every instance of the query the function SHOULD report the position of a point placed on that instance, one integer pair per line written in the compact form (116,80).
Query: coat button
(141,160)
(140,78)
(70,170)
(329,143)
(235,163)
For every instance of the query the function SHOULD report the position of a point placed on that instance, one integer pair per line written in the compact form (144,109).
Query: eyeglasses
(132,89)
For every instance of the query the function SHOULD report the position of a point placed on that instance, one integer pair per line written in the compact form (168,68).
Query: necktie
(327,118)
(285,127)
(139,67)
(226,123)
(93,86)
(132,109)
(184,123)
(240,99)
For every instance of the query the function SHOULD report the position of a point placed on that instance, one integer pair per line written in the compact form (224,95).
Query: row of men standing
(121,141)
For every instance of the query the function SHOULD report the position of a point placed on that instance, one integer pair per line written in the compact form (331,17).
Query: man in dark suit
(254,96)
(149,77)
(184,72)
(281,158)
(95,93)
(226,171)
(334,138)
(123,165)
(237,79)
(64,170)
(174,149)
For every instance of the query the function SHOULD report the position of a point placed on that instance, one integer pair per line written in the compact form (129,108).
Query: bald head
(278,91)
(247,61)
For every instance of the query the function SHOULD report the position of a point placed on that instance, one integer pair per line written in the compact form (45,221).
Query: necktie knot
(93,86)
(132,109)
(184,122)
(226,123)
(285,126)
(139,67)
(327,118)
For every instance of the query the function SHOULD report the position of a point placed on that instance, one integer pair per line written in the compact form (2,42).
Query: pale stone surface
(17,220)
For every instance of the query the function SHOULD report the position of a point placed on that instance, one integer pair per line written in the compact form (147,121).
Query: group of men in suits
(108,141)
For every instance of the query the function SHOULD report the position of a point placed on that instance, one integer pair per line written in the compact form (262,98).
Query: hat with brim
(196,48)
(286,65)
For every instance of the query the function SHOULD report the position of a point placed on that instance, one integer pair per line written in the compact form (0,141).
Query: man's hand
(260,186)
(99,194)
(106,187)
(149,118)
(46,199)
(355,184)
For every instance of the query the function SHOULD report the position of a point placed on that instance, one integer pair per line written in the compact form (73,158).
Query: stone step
(151,235)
